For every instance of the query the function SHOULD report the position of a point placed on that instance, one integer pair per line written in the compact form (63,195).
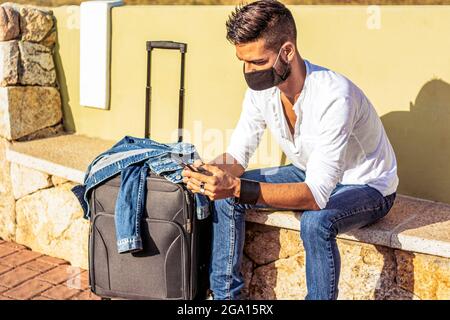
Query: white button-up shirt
(338,135)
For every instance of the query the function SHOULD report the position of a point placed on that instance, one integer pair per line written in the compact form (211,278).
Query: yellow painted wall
(399,56)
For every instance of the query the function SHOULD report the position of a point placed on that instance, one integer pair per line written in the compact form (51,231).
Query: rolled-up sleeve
(249,129)
(325,165)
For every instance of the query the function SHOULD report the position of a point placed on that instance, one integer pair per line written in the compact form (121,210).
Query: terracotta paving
(29,275)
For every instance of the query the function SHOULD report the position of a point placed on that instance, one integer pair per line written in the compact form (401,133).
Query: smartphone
(192,168)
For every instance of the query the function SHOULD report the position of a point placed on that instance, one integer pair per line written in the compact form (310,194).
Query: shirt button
(178,176)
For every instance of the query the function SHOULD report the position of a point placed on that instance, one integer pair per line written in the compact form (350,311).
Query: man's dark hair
(266,19)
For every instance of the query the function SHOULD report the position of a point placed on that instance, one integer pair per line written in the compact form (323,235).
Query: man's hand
(216,183)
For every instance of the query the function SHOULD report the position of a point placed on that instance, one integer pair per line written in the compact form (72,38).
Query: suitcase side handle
(167,45)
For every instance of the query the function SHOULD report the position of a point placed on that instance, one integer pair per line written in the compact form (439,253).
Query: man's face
(255,55)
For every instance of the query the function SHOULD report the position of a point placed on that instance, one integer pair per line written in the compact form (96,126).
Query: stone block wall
(30,101)
(274,268)
(49,218)
(29,96)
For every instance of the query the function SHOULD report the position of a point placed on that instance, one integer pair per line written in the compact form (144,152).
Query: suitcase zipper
(188,219)
(189,294)
(188,226)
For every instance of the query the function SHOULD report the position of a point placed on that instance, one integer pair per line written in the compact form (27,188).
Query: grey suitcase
(175,260)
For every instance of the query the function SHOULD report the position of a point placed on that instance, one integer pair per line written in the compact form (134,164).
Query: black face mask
(268,78)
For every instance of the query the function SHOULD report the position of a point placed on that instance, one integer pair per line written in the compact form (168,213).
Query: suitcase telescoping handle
(148,97)
(167,45)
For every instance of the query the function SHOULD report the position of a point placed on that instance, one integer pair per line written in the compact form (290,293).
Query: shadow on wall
(68,122)
(421,140)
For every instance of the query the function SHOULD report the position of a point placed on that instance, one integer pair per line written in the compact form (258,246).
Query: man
(343,173)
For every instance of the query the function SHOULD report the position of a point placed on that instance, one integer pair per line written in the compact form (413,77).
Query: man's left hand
(216,183)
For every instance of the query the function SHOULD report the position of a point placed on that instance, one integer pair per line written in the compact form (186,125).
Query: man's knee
(315,225)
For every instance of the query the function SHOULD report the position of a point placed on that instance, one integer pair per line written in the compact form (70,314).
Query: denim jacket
(132,158)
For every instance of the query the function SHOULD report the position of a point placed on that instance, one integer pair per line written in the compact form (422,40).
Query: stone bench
(406,255)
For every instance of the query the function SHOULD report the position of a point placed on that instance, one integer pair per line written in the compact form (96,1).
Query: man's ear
(289,51)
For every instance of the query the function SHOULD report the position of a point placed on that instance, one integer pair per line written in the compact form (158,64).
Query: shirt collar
(300,99)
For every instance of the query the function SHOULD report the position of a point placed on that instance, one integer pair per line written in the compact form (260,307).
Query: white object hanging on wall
(95,52)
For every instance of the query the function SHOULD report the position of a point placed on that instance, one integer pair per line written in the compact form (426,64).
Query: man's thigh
(355,206)
(282,174)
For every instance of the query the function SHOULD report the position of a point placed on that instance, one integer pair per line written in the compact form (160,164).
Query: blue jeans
(349,207)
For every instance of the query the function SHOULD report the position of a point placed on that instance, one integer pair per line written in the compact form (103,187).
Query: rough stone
(9,23)
(247,273)
(265,246)
(7,203)
(427,276)
(26,63)
(35,24)
(282,279)
(58,180)
(51,221)
(270,217)
(25,180)
(9,63)
(36,65)
(367,271)
(24,110)
(50,40)
(44,133)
